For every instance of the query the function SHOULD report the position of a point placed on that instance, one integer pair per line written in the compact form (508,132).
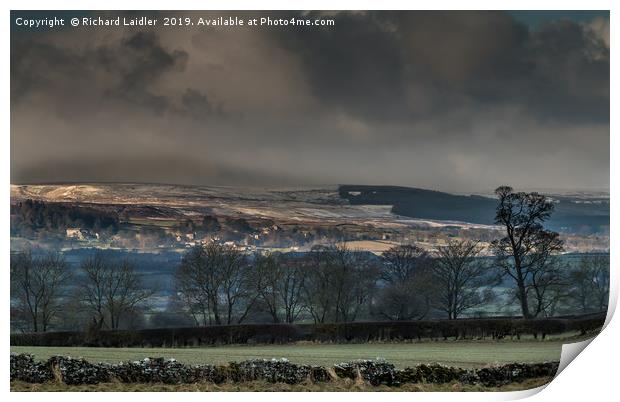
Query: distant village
(183,239)
(65,226)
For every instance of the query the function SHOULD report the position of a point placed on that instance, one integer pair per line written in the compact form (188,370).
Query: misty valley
(283,255)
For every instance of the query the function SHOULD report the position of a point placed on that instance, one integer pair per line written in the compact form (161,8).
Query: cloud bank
(456,101)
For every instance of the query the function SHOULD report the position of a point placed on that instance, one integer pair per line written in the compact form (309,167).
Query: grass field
(465,354)
(334,386)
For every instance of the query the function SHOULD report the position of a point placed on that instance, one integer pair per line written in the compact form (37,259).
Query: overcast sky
(454,101)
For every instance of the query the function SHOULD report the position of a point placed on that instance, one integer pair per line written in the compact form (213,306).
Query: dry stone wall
(73,371)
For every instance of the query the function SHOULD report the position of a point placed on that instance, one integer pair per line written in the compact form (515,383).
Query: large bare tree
(462,278)
(524,252)
(38,285)
(318,296)
(403,262)
(214,282)
(339,283)
(548,286)
(111,290)
(194,287)
(408,289)
(291,289)
(590,283)
(278,283)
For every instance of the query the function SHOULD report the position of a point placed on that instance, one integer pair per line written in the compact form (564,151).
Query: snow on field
(318,205)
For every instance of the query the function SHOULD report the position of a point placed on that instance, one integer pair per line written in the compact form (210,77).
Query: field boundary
(158,370)
(355,332)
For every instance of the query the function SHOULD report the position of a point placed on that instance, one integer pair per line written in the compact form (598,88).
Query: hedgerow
(354,332)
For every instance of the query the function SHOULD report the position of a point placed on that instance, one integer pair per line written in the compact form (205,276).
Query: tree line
(102,294)
(31,215)
(217,284)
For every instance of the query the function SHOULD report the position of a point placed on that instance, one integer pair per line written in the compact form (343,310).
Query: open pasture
(465,354)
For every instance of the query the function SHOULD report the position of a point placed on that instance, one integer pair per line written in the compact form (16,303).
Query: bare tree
(461,276)
(317,290)
(408,289)
(214,282)
(290,290)
(38,285)
(234,285)
(548,286)
(339,283)
(91,292)
(111,290)
(194,286)
(279,283)
(403,262)
(266,278)
(356,279)
(590,283)
(523,253)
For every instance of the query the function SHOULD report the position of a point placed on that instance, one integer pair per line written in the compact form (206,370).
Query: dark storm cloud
(450,100)
(125,69)
(138,61)
(197,105)
(358,66)
(366,63)
(571,72)
(32,65)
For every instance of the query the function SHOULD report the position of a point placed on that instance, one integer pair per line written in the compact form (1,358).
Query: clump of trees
(110,291)
(30,216)
(279,285)
(339,283)
(47,294)
(214,283)
(589,284)
(408,289)
(37,289)
(330,284)
(210,224)
(462,279)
